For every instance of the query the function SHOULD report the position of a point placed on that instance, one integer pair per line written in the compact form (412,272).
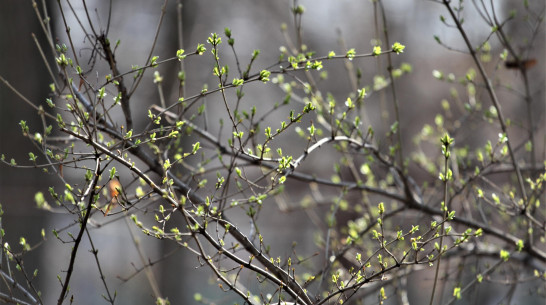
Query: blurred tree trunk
(22,67)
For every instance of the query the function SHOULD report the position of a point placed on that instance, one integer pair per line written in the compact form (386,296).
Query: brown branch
(493,96)
(280,276)
(111,59)
(83,223)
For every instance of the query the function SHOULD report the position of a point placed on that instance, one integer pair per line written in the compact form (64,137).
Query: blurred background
(327,25)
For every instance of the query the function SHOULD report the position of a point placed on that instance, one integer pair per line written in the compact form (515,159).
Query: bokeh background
(255,25)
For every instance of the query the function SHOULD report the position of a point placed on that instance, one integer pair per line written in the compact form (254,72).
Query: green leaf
(227,32)
(504,255)
(381,208)
(376,50)
(298,10)
(520,245)
(157,77)
(350,54)
(24,127)
(167,164)
(50,103)
(180,54)
(113,172)
(200,49)
(40,201)
(398,48)
(153,61)
(457,292)
(264,76)
(237,82)
(196,147)
(32,157)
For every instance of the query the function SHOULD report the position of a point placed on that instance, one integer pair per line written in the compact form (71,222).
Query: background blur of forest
(255,25)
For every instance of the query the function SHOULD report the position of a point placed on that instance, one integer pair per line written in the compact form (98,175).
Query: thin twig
(493,96)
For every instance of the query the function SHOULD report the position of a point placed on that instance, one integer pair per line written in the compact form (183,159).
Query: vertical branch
(147,267)
(46,63)
(67,30)
(83,226)
(105,43)
(393,90)
(180,28)
(45,26)
(95,253)
(156,35)
(494,99)
(382,102)
(446,176)
(522,67)
(349,67)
